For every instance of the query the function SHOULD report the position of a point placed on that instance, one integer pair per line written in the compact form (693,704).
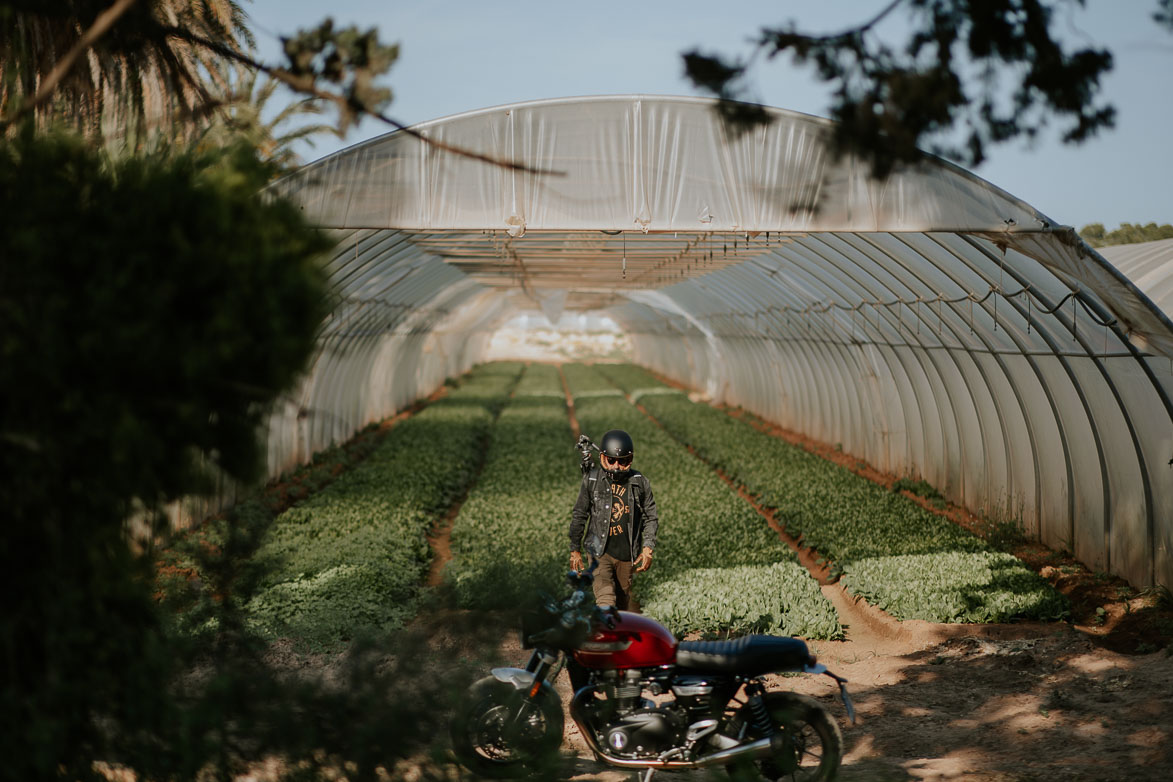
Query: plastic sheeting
(1149,265)
(932,324)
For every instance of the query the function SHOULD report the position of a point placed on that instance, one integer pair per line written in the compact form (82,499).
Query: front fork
(543,664)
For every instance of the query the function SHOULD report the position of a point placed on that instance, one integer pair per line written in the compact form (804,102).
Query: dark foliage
(982,73)
(150,311)
(1097,236)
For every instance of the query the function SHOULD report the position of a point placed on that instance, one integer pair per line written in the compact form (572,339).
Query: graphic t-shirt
(619,529)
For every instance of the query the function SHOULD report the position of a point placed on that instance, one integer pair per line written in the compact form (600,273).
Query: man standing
(617,511)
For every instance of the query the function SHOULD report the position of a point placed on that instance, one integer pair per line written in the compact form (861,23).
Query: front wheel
(809,746)
(503,734)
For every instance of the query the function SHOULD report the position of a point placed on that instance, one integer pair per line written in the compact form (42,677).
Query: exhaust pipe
(755,749)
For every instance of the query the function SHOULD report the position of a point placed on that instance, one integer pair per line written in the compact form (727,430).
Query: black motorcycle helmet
(617,445)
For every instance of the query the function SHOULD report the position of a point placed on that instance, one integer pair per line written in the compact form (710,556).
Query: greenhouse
(930,324)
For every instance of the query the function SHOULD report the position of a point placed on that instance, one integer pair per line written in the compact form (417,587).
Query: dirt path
(440,536)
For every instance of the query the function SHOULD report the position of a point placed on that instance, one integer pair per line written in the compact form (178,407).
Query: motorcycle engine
(645,732)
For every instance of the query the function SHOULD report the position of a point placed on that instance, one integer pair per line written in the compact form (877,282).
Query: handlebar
(567,622)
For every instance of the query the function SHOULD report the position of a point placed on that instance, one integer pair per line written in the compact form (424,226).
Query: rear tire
(502,734)
(813,745)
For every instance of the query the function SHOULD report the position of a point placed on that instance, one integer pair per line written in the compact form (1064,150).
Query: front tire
(811,747)
(502,734)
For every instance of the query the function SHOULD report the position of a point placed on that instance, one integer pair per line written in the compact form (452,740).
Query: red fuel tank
(635,642)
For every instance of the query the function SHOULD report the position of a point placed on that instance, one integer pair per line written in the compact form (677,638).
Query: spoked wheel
(503,734)
(806,748)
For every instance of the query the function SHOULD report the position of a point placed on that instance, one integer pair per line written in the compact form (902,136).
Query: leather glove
(575,560)
(644,561)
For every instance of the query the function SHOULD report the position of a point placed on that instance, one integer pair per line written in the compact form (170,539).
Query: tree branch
(863,28)
(306,86)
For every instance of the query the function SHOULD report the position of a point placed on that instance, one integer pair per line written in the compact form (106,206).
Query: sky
(460,55)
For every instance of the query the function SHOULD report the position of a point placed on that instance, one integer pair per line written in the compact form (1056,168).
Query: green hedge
(351,558)
(705,527)
(856,524)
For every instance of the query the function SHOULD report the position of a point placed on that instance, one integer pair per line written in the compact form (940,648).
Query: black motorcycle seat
(751,655)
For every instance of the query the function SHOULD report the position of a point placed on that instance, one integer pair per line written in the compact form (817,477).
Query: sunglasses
(622,461)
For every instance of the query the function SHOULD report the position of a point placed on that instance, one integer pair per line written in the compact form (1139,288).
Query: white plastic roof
(1149,265)
(931,323)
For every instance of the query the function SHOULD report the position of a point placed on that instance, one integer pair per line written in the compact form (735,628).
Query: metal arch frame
(1162,394)
(921,382)
(1089,417)
(1141,459)
(856,282)
(1032,424)
(1041,325)
(841,364)
(976,365)
(974,397)
(960,406)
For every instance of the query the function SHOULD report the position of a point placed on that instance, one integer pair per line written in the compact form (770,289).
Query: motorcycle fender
(520,679)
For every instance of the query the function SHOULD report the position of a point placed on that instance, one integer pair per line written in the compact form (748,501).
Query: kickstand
(646,776)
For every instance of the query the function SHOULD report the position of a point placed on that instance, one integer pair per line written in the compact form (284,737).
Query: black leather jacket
(594,506)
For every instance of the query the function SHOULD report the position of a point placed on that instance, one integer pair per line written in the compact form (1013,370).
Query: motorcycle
(645,702)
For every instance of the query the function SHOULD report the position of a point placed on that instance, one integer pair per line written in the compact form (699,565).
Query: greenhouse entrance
(930,325)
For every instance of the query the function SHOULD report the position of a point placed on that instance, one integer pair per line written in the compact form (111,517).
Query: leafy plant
(954,586)
(152,310)
(778,599)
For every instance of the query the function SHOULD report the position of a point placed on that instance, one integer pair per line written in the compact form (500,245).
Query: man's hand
(575,560)
(645,560)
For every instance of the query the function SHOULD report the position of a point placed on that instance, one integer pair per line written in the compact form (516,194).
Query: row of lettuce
(889,550)
(353,557)
(509,539)
(718,566)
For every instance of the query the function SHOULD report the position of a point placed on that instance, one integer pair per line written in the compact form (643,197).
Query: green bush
(151,310)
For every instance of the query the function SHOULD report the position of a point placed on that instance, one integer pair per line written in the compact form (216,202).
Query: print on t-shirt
(619,533)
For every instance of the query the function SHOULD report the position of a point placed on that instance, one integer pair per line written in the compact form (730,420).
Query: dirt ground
(1011,703)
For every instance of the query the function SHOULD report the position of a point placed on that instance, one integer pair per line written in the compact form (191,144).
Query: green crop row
(961,586)
(769,599)
(706,530)
(352,557)
(509,540)
(871,535)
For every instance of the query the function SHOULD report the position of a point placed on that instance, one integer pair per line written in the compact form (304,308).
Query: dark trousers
(613,582)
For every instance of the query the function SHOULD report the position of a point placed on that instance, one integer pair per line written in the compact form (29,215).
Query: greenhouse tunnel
(929,324)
